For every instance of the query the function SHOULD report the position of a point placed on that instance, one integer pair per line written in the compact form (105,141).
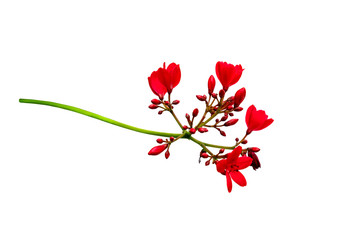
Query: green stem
(185,134)
(99,117)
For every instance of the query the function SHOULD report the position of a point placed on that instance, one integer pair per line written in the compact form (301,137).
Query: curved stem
(99,117)
(185,134)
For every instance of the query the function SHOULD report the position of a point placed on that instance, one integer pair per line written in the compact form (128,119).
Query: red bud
(185,127)
(225,117)
(159,140)
(222,150)
(244,142)
(187,116)
(211,84)
(202,130)
(160,112)
(153,106)
(156,101)
(195,112)
(201,97)
(223,133)
(192,130)
(255,149)
(221,93)
(167,154)
(231,122)
(238,109)
(214,95)
(231,114)
(175,102)
(229,107)
(172,139)
(166,102)
(158,149)
(236,139)
(239,97)
(204,155)
(207,163)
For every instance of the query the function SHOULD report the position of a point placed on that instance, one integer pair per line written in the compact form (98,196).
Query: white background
(67,176)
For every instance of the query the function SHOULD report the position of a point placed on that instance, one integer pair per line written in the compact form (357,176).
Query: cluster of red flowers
(220,110)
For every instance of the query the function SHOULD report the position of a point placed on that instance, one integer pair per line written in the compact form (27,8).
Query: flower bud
(230,99)
(192,130)
(202,130)
(225,117)
(255,149)
(167,154)
(223,133)
(230,107)
(204,155)
(216,108)
(207,163)
(201,97)
(231,122)
(231,114)
(244,142)
(175,102)
(158,149)
(156,101)
(211,84)
(222,150)
(239,97)
(214,95)
(159,140)
(187,116)
(153,106)
(160,112)
(236,139)
(255,163)
(238,109)
(166,102)
(172,139)
(221,93)
(195,112)
(185,127)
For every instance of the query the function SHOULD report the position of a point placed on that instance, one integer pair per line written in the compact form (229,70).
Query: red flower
(231,166)
(256,119)
(164,79)
(228,74)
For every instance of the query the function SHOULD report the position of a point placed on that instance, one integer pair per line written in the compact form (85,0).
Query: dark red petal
(156,85)
(238,177)
(228,181)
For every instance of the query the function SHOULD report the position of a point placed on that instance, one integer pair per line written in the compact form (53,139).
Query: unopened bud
(159,140)
(221,93)
(239,97)
(202,130)
(195,112)
(207,163)
(204,155)
(216,108)
(231,122)
(187,116)
(211,84)
(230,107)
(172,139)
(238,109)
(255,163)
(158,149)
(201,97)
(231,114)
(156,101)
(166,102)
(185,127)
(255,149)
(214,95)
(230,99)
(244,141)
(175,102)
(153,106)
(167,154)
(236,139)
(192,130)
(225,117)
(160,112)
(223,133)
(222,150)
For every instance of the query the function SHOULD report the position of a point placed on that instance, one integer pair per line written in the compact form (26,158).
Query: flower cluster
(218,114)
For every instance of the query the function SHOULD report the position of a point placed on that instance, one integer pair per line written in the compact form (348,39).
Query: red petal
(239,178)
(156,85)
(236,73)
(243,162)
(228,181)
(174,74)
(221,166)
(232,156)
(249,112)
(266,123)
